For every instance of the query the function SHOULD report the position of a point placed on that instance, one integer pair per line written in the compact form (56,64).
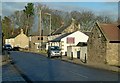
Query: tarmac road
(36,67)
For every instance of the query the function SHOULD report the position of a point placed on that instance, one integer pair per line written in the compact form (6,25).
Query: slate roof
(88,33)
(60,37)
(110,31)
(82,44)
(60,30)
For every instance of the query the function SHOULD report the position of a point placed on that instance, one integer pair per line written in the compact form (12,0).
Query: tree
(76,15)
(56,19)
(29,12)
(86,20)
(104,19)
(6,27)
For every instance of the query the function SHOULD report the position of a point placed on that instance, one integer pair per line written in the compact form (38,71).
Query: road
(39,68)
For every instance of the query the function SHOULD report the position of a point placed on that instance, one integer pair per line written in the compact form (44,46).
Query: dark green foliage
(29,12)
(29,9)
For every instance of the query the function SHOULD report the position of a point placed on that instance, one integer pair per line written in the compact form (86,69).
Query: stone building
(103,44)
(64,29)
(68,28)
(37,42)
(20,40)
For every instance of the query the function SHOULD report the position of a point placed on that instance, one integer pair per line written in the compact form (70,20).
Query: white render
(83,53)
(74,50)
(79,37)
(10,41)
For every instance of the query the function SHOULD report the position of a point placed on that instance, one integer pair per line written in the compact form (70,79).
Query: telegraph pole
(40,32)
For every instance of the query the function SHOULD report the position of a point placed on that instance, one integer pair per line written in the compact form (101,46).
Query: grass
(42,52)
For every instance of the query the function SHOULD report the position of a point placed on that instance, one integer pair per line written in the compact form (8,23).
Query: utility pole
(40,32)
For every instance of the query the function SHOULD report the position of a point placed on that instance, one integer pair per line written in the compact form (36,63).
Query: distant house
(37,42)
(20,40)
(10,41)
(103,44)
(68,39)
(67,29)
(72,27)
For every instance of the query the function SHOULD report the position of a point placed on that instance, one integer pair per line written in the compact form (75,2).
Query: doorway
(78,54)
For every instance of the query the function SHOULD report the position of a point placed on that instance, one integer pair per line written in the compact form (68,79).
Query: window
(38,38)
(70,40)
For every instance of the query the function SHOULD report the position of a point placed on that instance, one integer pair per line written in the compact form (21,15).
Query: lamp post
(50,25)
(50,21)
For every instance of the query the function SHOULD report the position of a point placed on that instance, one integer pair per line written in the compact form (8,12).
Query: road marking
(78,74)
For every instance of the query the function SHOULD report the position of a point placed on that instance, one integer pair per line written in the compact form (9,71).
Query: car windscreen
(55,48)
(7,45)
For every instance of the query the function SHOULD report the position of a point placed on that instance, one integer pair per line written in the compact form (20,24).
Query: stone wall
(96,47)
(112,55)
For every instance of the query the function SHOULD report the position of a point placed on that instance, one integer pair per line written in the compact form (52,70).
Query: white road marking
(78,74)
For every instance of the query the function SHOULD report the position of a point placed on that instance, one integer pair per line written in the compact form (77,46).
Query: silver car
(54,51)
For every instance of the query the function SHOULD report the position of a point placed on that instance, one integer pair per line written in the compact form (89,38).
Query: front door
(78,54)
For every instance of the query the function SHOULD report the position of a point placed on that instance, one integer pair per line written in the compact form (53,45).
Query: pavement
(10,74)
(91,64)
(8,71)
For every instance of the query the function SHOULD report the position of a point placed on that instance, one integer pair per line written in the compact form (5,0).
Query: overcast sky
(111,8)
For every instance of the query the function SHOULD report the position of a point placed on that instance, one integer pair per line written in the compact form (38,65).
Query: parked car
(54,51)
(7,47)
(16,48)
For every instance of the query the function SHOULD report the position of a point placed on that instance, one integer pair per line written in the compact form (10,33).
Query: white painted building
(68,39)
(83,53)
(79,51)
(10,41)
(73,51)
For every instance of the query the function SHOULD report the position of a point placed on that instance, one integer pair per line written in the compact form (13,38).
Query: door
(78,54)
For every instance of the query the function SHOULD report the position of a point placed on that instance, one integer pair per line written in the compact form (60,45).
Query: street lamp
(50,21)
